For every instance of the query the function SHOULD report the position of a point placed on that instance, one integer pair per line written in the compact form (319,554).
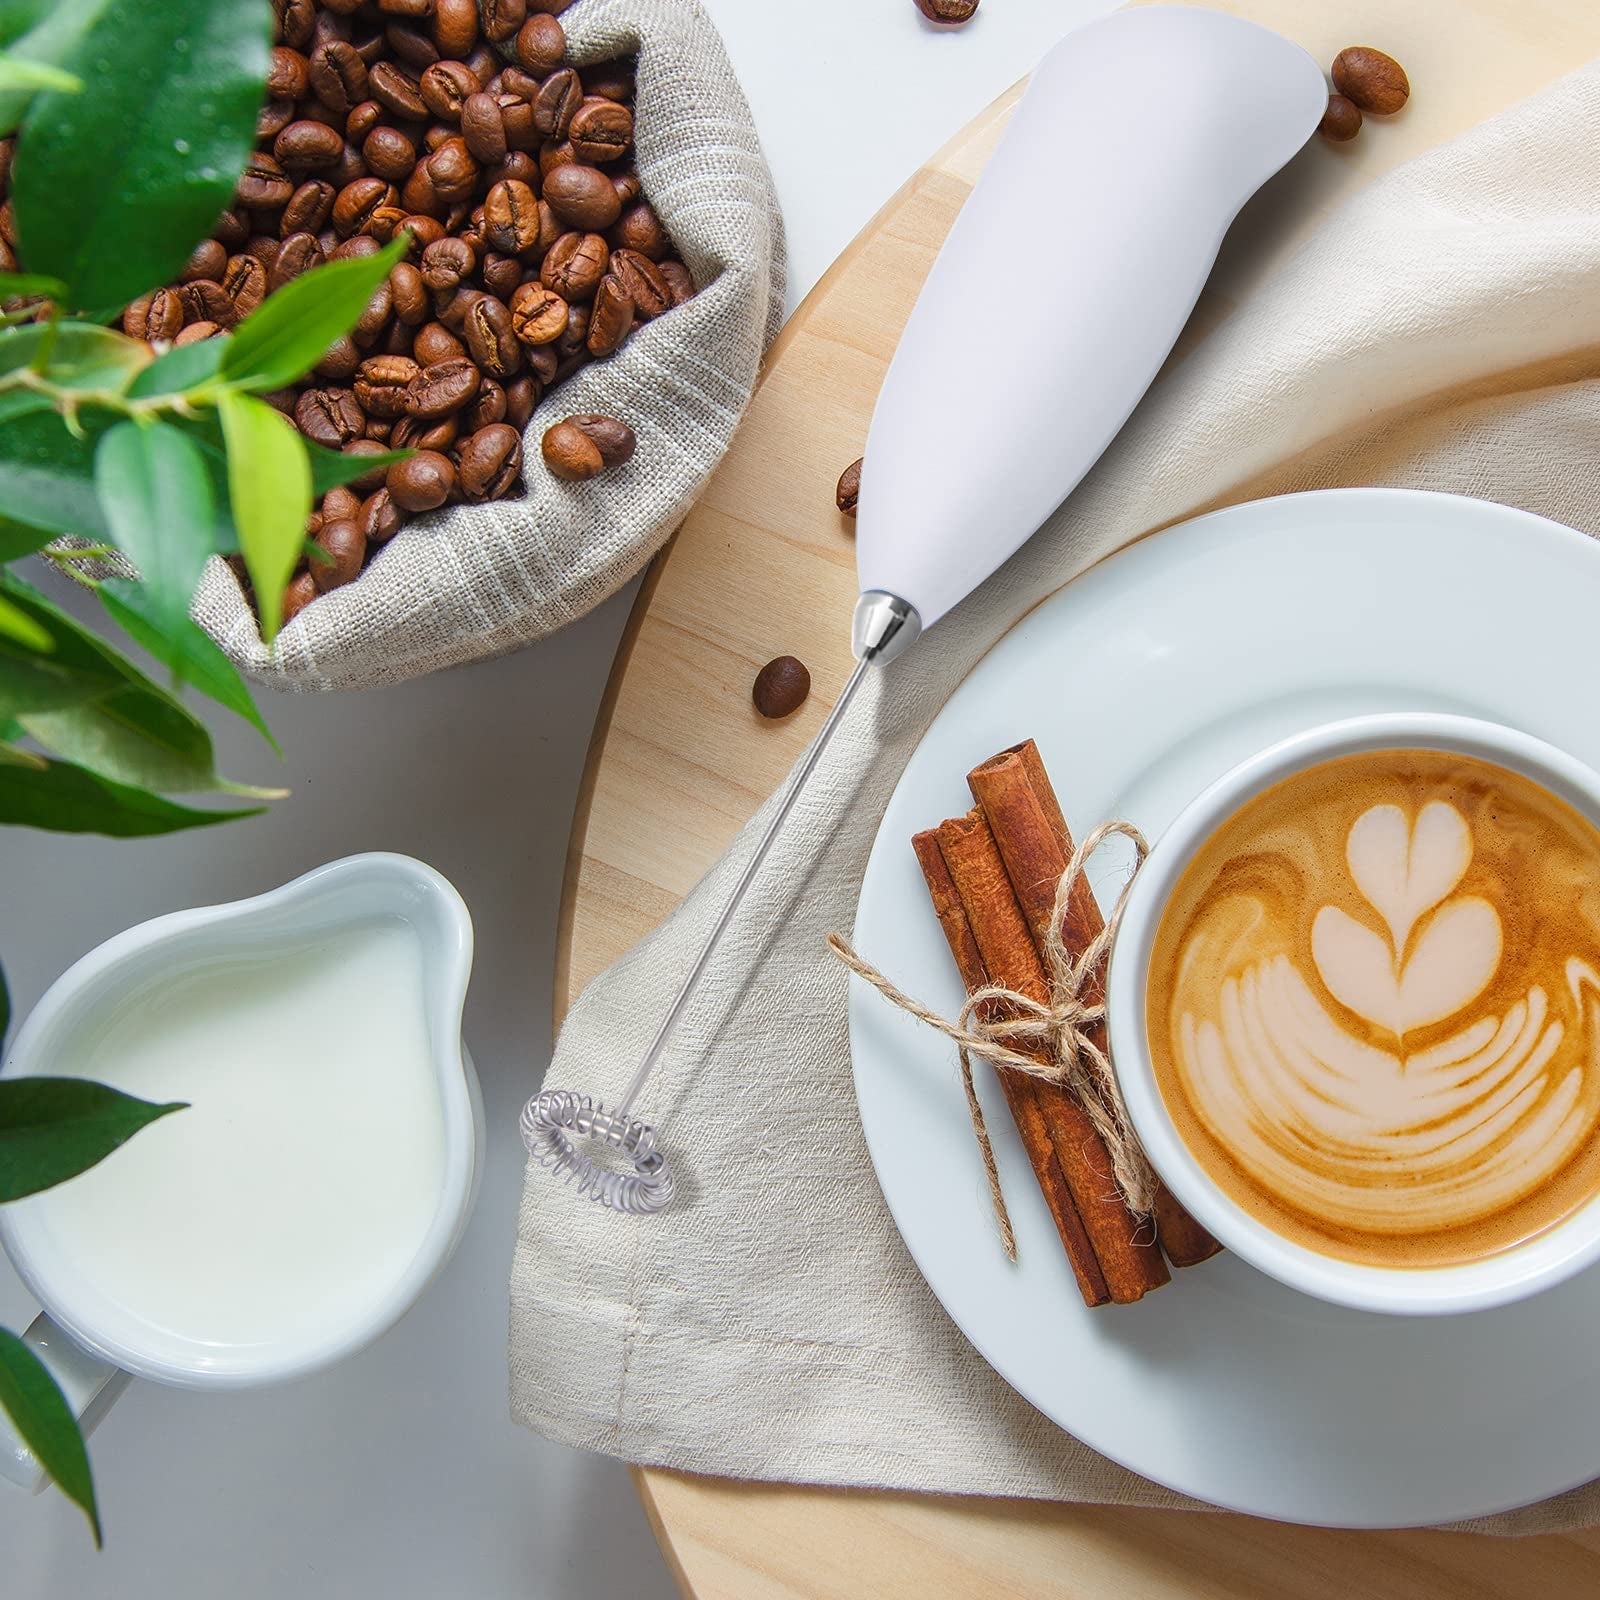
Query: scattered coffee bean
(1342,119)
(615,441)
(848,491)
(570,453)
(781,687)
(421,482)
(1371,80)
(949,12)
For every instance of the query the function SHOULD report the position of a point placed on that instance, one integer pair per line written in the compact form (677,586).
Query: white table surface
(400,1473)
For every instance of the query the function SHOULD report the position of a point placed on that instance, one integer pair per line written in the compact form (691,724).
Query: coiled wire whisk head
(555,1119)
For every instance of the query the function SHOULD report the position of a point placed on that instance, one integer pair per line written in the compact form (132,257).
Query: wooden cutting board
(764,565)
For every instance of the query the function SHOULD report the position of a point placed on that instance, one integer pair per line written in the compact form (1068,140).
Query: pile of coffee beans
(533,250)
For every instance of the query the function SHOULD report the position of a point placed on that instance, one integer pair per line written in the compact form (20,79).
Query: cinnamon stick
(1020,1091)
(1035,844)
(1130,1267)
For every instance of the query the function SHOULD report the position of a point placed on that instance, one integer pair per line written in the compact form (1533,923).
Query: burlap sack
(473,581)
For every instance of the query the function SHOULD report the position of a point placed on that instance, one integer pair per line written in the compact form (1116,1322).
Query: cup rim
(1514,1274)
(69,1298)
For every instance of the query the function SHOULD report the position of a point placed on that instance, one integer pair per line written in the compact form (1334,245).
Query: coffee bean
(157,315)
(424,231)
(288,75)
(541,44)
(551,228)
(447,263)
(615,441)
(309,209)
(640,276)
(1371,80)
(357,201)
(420,196)
(339,501)
(272,119)
(263,184)
(339,362)
(502,18)
(678,281)
(501,274)
(455,27)
(353,248)
(264,248)
(488,461)
(371,323)
(295,20)
(395,89)
(848,490)
(206,260)
(543,359)
(574,341)
(582,196)
(601,130)
(344,540)
(949,12)
(490,406)
(611,80)
(205,300)
(1342,119)
(557,102)
(639,228)
(629,187)
(445,88)
(426,433)
(389,154)
(551,8)
(782,685)
(491,339)
(230,229)
(421,482)
(443,387)
(414,10)
(409,293)
(538,315)
(511,217)
(571,454)
(362,120)
(339,76)
(483,127)
(574,265)
(329,417)
(300,593)
(305,146)
(434,343)
(452,171)
(245,284)
(611,316)
(374,476)
(555,153)
(381,384)
(379,516)
(411,44)
(516,117)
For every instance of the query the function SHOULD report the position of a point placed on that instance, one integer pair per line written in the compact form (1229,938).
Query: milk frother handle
(88,1383)
(1065,282)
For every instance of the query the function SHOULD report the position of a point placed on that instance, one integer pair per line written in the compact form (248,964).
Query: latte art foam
(1374,1008)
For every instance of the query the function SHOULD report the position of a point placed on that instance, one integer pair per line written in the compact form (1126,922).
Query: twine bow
(1065,1024)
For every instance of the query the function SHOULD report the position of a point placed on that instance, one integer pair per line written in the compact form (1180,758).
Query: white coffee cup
(1512,1274)
(91,1343)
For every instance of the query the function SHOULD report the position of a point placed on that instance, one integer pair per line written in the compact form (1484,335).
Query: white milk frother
(1139,138)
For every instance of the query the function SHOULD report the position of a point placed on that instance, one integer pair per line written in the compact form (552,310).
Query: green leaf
(17,539)
(182,368)
(78,666)
(330,468)
(18,627)
(39,30)
(269,488)
(5,1009)
(69,799)
(19,74)
(114,186)
(185,647)
(290,331)
(80,355)
(46,1424)
(47,473)
(24,285)
(51,1129)
(156,495)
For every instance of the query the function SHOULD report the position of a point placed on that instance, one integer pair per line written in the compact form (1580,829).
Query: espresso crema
(1374,1008)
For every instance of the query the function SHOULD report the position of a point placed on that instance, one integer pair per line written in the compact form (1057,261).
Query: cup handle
(90,1385)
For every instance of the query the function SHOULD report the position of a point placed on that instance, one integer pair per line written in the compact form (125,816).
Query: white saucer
(1142,681)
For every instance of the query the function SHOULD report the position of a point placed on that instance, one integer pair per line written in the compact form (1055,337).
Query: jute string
(1076,1062)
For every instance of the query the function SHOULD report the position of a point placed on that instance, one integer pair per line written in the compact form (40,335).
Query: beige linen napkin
(1442,331)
